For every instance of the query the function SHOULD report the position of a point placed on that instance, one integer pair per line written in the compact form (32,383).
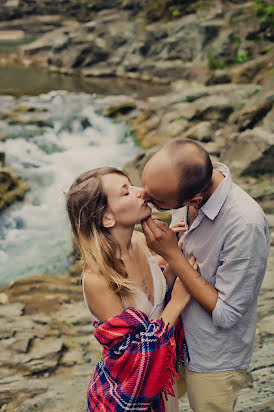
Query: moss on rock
(12,188)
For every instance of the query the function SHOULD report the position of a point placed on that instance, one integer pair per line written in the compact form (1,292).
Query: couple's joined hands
(159,237)
(162,240)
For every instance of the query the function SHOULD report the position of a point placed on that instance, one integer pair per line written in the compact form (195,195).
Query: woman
(125,290)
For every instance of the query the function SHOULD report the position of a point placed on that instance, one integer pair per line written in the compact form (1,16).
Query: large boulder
(12,188)
(250,152)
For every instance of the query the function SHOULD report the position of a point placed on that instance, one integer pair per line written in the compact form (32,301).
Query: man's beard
(161,209)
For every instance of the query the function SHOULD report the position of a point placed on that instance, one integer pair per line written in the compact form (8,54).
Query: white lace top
(141,301)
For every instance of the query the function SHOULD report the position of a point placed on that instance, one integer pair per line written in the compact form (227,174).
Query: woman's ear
(108,220)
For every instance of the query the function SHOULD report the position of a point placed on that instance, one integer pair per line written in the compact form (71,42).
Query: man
(226,231)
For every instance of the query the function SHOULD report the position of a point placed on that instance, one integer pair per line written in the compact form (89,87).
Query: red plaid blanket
(137,366)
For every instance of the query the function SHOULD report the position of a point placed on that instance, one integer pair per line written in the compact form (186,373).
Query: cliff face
(82,10)
(212,42)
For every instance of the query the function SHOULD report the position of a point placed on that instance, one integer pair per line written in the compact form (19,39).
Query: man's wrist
(173,255)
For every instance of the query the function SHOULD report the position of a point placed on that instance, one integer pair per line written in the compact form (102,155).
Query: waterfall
(70,138)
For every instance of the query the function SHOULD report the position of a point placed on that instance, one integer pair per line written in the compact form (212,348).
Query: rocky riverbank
(48,350)
(215,42)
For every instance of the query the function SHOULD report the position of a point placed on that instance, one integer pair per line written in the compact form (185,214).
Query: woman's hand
(177,228)
(179,293)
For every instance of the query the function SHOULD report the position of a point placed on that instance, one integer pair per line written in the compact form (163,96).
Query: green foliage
(166,10)
(237,43)
(214,63)
(265,10)
(242,57)
(174,11)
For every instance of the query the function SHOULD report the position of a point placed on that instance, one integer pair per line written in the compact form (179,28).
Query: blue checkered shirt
(230,240)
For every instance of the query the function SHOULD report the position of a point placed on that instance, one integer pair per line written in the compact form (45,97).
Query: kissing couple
(182,318)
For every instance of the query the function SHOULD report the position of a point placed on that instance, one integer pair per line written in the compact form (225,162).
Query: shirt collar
(214,204)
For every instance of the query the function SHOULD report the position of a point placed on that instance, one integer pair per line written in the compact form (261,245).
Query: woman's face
(124,200)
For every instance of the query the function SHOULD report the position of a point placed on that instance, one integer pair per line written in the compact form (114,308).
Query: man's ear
(108,220)
(195,201)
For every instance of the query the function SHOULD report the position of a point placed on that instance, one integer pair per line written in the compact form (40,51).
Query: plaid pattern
(137,366)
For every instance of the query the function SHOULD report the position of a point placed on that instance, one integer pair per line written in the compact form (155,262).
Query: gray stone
(76,314)
(45,355)
(266,325)
(71,358)
(202,132)
(249,152)
(11,310)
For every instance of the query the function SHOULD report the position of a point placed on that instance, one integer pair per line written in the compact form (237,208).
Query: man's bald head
(179,171)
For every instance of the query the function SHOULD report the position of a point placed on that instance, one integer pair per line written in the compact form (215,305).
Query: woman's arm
(101,299)
(179,299)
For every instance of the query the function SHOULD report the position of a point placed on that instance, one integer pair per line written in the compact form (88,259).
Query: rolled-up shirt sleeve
(240,274)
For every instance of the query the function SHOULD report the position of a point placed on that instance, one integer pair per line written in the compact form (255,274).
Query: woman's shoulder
(93,281)
(100,297)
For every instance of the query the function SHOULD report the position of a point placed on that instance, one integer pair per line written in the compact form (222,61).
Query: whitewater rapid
(74,137)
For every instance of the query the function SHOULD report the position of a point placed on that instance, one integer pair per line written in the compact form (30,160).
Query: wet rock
(3,299)
(262,164)
(202,132)
(219,77)
(124,106)
(40,294)
(268,121)
(71,358)
(76,270)
(249,152)
(266,326)
(12,188)
(249,117)
(44,355)
(12,310)
(20,389)
(247,72)
(25,118)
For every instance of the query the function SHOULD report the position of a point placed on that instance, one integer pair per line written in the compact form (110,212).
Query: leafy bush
(265,10)
(242,57)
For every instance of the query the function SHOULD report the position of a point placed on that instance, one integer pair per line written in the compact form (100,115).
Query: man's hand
(160,238)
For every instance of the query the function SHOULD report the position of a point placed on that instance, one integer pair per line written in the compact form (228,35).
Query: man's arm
(163,241)
(238,278)
(240,275)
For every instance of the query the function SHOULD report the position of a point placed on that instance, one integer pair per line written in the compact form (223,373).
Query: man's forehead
(160,189)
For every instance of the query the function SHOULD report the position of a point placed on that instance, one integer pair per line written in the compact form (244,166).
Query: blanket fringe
(171,373)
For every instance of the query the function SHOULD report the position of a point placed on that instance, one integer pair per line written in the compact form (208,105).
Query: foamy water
(34,234)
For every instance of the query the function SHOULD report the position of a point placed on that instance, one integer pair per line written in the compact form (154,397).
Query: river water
(73,137)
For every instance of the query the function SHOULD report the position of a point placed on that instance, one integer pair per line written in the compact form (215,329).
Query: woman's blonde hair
(86,206)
